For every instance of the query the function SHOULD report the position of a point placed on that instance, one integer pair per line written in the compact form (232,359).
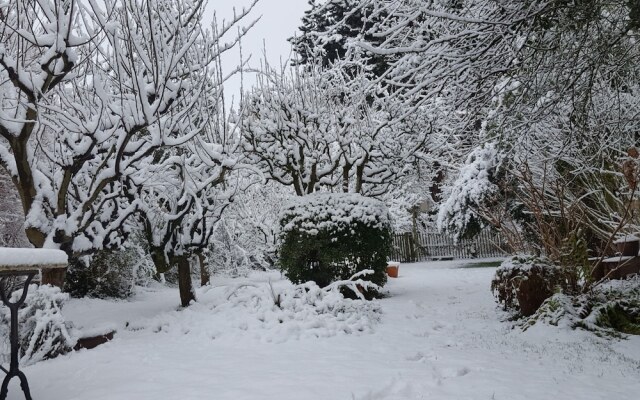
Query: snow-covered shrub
(330,237)
(270,309)
(319,311)
(236,250)
(109,273)
(43,332)
(611,308)
(473,190)
(523,283)
(245,237)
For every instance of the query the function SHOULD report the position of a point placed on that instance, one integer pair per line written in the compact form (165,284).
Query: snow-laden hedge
(612,308)
(109,273)
(333,212)
(43,331)
(522,283)
(330,237)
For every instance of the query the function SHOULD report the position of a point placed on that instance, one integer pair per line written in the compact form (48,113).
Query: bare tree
(326,127)
(554,85)
(11,216)
(89,98)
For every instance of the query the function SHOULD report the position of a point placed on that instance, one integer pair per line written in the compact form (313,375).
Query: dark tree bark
(346,169)
(160,260)
(187,294)
(205,277)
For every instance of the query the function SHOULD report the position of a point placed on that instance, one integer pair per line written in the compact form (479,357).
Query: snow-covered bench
(31,259)
(27,263)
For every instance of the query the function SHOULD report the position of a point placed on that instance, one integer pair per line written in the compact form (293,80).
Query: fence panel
(434,246)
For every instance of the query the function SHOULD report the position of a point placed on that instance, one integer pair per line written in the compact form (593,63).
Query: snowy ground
(439,337)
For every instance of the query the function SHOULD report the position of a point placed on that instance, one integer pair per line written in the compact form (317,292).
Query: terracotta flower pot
(392,269)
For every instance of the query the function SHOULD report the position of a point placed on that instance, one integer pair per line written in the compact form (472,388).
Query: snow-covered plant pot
(523,283)
(330,237)
(393,269)
(43,333)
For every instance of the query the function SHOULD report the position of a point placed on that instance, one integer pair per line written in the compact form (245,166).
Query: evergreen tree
(329,25)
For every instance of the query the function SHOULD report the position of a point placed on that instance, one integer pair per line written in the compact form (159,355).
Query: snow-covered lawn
(439,337)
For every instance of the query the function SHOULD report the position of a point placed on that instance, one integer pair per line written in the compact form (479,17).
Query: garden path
(439,337)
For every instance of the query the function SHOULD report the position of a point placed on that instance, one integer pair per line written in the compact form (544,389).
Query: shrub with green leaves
(109,273)
(329,237)
(42,329)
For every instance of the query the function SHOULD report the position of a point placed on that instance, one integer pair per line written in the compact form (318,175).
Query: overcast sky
(279,20)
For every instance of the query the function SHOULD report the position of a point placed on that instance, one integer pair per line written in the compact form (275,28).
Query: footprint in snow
(419,357)
(438,326)
(447,373)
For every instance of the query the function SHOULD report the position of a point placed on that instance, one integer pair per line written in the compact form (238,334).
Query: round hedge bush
(326,237)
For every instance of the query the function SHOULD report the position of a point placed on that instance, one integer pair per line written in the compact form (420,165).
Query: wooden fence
(435,246)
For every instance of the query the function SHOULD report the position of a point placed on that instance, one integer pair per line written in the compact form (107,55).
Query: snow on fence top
(333,211)
(20,259)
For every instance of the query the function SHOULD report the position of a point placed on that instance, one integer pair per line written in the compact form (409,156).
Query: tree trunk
(436,187)
(205,277)
(160,260)
(360,174)
(187,294)
(345,177)
(56,277)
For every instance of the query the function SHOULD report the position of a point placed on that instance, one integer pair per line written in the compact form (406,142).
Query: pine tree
(329,25)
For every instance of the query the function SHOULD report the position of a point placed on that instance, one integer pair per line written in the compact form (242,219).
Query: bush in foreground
(330,237)
(523,283)
(269,309)
(609,309)
(43,332)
